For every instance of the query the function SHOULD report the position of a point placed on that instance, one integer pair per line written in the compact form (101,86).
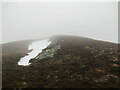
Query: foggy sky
(29,20)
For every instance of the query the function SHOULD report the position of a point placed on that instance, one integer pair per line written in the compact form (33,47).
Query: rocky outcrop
(48,52)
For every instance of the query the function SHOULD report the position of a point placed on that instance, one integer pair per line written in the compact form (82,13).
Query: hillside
(79,63)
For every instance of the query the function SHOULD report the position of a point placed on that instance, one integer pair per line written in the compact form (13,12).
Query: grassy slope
(81,62)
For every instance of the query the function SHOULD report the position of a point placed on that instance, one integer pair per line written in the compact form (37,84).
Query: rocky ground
(69,62)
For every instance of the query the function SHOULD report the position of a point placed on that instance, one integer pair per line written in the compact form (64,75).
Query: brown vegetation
(80,63)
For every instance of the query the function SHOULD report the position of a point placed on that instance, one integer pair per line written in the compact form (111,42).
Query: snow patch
(36,48)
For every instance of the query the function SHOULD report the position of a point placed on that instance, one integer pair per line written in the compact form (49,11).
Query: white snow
(36,48)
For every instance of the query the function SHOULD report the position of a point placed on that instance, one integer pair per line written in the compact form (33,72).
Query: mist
(32,20)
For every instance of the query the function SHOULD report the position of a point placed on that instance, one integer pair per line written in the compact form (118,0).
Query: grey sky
(29,20)
(0,22)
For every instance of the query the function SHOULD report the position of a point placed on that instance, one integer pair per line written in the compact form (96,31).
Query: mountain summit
(67,62)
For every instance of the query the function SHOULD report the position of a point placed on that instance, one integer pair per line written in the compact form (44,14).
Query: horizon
(60,35)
